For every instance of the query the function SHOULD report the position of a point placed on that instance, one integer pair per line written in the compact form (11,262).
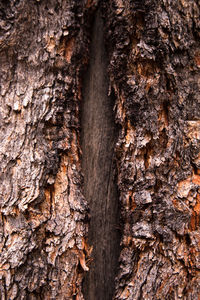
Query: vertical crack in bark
(98,140)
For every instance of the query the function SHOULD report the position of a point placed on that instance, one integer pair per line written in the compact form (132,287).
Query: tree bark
(153,75)
(43,211)
(154,71)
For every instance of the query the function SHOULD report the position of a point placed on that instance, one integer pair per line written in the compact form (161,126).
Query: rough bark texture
(43,48)
(98,142)
(154,63)
(154,71)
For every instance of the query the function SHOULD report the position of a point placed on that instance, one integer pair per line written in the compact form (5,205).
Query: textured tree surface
(153,70)
(43,49)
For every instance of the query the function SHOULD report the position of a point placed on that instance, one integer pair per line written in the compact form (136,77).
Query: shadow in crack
(99,135)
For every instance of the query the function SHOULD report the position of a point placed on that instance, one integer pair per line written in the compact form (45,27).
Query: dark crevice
(98,138)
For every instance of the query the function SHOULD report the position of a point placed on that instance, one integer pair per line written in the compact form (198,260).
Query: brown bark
(43,50)
(154,71)
(153,62)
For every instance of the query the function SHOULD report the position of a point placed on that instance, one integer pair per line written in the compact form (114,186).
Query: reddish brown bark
(153,74)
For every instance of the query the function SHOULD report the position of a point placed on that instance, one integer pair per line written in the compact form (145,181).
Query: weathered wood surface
(99,136)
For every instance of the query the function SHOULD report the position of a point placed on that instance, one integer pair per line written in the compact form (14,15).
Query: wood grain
(98,140)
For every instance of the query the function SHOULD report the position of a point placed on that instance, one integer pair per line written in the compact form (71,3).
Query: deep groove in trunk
(99,135)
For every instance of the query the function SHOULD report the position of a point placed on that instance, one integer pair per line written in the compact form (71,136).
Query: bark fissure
(154,63)
(98,140)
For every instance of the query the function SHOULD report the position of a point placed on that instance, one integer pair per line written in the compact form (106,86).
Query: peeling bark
(154,71)
(43,50)
(154,61)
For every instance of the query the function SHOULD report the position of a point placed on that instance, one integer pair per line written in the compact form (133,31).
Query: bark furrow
(98,140)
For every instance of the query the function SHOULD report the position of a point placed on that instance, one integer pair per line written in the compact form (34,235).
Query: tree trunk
(154,71)
(153,62)
(43,211)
